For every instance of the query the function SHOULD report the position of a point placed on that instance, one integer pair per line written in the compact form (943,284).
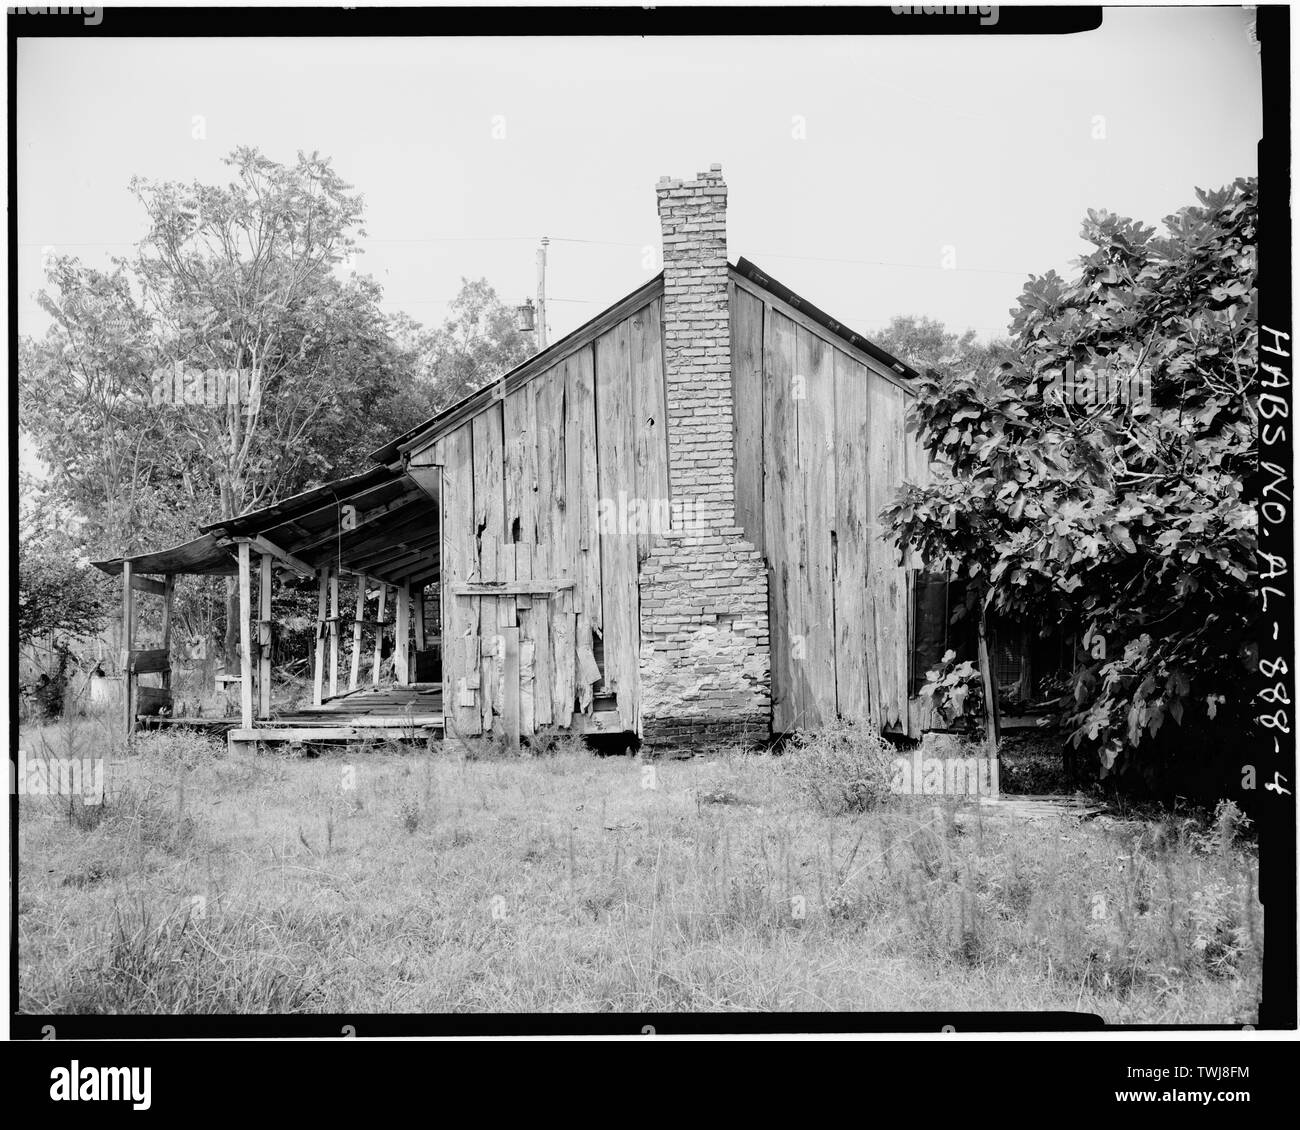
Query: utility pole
(541,294)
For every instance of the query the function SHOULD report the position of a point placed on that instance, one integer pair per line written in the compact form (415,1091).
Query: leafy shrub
(956,690)
(1096,481)
(845,767)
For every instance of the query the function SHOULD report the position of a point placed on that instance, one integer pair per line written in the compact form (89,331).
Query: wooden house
(665,524)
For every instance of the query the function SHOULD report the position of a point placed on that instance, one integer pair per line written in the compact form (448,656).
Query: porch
(373,672)
(411,712)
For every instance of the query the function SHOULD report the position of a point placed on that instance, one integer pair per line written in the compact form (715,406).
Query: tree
(84,400)
(60,596)
(925,343)
(234,361)
(477,343)
(243,282)
(1097,479)
(240,281)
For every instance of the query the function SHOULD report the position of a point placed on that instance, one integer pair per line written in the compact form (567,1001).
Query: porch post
(323,575)
(401,635)
(379,633)
(417,598)
(128,644)
(356,632)
(169,591)
(264,639)
(334,632)
(245,638)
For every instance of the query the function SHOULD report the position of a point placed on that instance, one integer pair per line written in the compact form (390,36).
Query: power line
(909,266)
(420,240)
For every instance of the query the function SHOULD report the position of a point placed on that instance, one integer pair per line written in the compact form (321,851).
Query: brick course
(705,661)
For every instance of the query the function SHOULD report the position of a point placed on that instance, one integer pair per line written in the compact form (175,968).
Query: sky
(901,175)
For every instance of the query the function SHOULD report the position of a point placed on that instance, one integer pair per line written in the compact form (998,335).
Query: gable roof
(476,401)
(455,415)
(396,509)
(748,270)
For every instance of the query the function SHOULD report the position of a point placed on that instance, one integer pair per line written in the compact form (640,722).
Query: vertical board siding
(833,453)
(815,371)
(747,411)
(857,671)
(521,465)
(887,580)
(583,494)
(782,517)
(522,485)
(551,557)
(616,459)
(649,426)
(455,453)
(488,533)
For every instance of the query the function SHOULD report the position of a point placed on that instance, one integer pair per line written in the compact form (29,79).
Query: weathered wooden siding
(820,449)
(557,484)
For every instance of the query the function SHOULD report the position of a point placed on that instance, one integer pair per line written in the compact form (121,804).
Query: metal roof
(204,555)
(389,531)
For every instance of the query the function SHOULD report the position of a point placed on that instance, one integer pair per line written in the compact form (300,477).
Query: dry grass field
(385,879)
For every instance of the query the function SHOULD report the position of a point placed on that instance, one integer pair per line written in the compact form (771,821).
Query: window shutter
(929,625)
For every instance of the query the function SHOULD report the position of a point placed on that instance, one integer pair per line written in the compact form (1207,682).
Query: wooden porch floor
(419,701)
(413,711)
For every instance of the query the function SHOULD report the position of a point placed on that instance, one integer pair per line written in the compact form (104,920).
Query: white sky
(912,143)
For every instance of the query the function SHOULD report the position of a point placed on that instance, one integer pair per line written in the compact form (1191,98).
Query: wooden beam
(356,632)
(401,636)
(128,642)
(510,686)
(411,569)
(149,585)
(388,509)
(263,546)
(169,593)
(425,574)
(418,723)
(334,633)
(245,637)
(151,700)
(540,587)
(148,661)
(318,673)
(264,657)
(388,549)
(379,634)
(417,598)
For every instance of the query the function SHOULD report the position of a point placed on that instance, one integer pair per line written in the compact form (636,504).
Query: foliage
(1123,513)
(955,689)
(477,343)
(926,344)
(843,767)
(253,278)
(59,595)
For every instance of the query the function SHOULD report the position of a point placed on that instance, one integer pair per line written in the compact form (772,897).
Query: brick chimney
(697,343)
(705,664)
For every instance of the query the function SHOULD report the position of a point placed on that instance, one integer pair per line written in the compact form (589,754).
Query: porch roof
(380,523)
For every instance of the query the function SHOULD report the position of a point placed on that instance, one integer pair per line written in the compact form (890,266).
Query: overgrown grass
(390,879)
